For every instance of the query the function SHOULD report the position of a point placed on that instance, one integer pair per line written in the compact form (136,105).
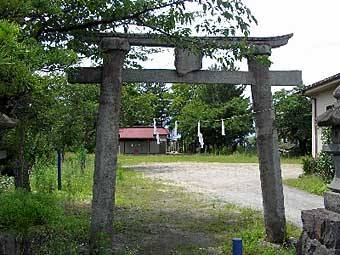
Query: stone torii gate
(111,75)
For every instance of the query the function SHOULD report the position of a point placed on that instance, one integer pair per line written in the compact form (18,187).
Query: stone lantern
(331,118)
(321,227)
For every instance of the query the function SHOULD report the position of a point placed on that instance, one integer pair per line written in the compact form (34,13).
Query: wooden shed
(141,140)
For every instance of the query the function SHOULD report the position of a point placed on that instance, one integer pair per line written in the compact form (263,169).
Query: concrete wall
(319,105)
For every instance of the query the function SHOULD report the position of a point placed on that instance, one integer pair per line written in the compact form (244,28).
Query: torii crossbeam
(188,65)
(276,78)
(195,75)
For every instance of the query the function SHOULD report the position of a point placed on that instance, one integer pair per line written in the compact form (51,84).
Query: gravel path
(235,183)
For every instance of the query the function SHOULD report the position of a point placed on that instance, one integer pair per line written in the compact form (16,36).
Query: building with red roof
(141,140)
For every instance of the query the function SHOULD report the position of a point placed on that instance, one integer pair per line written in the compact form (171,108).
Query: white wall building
(321,94)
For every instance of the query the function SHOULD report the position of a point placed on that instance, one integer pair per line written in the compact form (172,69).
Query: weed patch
(150,217)
(309,183)
(233,158)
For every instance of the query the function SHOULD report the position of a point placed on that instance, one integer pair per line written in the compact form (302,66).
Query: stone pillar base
(7,244)
(332,201)
(321,233)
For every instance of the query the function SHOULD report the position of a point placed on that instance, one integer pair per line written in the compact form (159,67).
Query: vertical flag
(175,131)
(200,140)
(154,127)
(198,128)
(223,128)
(157,138)
(200,135)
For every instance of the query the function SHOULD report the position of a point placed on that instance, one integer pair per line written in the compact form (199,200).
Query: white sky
(314,48)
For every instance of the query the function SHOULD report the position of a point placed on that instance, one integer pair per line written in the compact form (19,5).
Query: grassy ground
(234,158)
(309,183)
(150,217)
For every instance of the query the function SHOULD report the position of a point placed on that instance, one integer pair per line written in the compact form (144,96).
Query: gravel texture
(233,183)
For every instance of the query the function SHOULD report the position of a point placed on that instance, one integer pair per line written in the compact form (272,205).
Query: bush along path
(150,218)
(317,173)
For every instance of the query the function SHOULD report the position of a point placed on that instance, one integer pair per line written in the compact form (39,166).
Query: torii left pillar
(107,143)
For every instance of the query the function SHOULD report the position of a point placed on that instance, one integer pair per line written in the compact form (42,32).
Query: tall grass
(58,222)
(232,158)
(309,183)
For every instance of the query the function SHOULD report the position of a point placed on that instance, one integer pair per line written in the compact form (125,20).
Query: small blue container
(237,246)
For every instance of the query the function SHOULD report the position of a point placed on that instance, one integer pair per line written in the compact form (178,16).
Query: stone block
(307,246)
(187,61)
(7,244)
(111,43)
(321,232)
(263,49)
(319,224)
(332,201)
(308,221)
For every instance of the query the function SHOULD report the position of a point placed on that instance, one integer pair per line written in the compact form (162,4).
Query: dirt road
(234,183)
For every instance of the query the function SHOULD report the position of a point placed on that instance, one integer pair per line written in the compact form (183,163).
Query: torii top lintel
(221,42)
(188,65)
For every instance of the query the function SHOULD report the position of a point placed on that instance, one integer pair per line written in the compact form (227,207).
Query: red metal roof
(140,132)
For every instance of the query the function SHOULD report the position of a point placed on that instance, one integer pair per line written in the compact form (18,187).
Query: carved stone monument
(321,227)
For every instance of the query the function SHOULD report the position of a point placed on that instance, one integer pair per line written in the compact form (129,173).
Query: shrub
(324,163)
(20,210)
(43,177)
(308,165)
(324,166)
(6,183)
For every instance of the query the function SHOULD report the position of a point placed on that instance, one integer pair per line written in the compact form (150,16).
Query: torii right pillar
(267,148)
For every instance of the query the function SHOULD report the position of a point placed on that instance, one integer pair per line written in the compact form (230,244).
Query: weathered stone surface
(268,152)
(187,61)
(276,78)
(107,142)
(221,42)
(321,227)
(115,44)
(308,220)
(7,245)
(307,246)
(332,200)
(321,232)
(263,49)
(6,122)
(332,118)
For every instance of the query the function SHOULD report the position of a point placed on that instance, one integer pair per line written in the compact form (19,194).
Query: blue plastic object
(237,246)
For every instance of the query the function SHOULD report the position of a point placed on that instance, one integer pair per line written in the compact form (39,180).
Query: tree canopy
(294,119)
(210,104)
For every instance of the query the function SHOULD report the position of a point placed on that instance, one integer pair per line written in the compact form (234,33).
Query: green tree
(141,103)
(137,107)
(294,119)
(21,93)
(210,104)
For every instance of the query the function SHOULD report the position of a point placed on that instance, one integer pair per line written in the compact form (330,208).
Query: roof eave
(310,92)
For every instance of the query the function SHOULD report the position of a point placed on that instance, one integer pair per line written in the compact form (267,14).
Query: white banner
(223,128)
(154,127)
(200,135)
